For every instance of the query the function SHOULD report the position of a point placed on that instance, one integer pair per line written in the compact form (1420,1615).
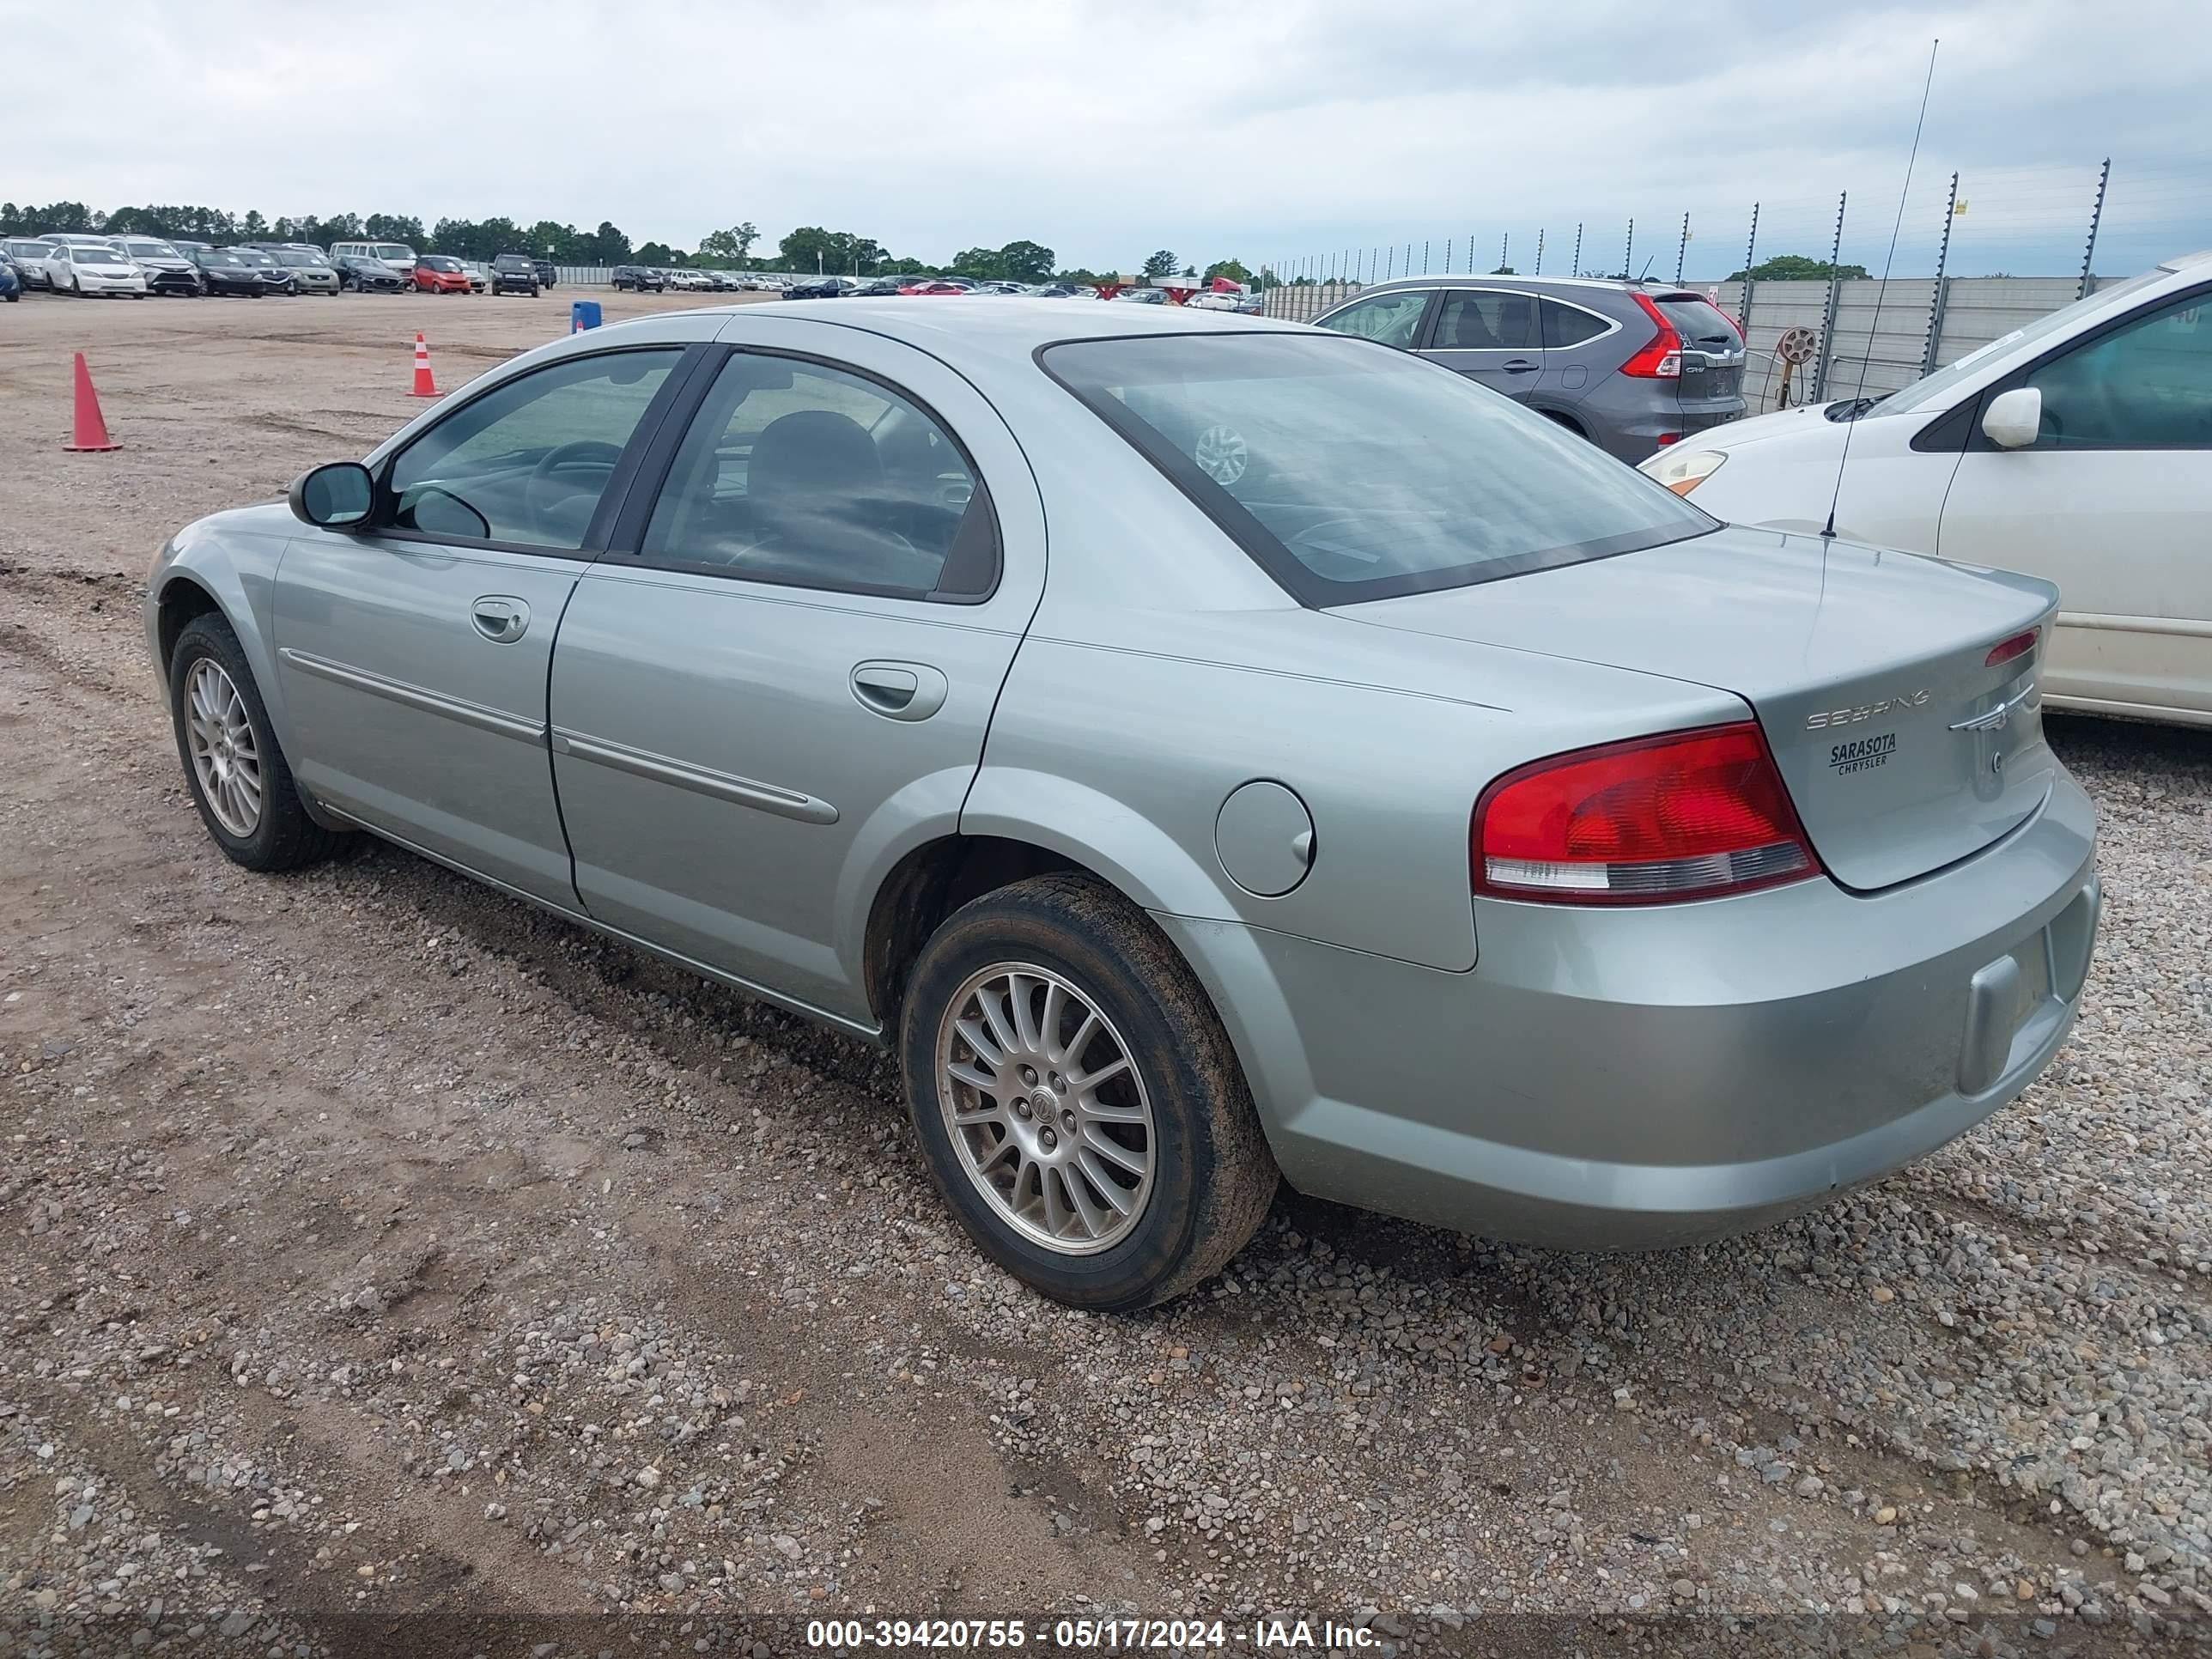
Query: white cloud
(1107,130)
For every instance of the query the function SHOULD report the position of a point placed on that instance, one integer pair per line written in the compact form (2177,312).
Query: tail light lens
(1688,815)
(1660,360)
(2005,650)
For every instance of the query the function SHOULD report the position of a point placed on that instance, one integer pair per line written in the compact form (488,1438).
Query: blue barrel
(583,314)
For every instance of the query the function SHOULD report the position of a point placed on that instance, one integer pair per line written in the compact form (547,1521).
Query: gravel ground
(380,1256)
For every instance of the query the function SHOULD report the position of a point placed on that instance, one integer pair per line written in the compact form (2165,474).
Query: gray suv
(1630,366)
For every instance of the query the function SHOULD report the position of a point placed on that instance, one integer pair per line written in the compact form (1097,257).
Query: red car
(933,285)
(434,273)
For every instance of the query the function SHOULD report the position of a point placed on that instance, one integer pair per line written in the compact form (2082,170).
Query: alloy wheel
(225,759)
(1046,1111)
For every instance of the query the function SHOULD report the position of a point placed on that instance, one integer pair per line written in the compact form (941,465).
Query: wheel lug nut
(1029,1075)
(1050,1139)
(1021,1108)
(1067,1121)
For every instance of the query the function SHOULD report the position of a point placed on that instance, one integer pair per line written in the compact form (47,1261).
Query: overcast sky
(1264,130)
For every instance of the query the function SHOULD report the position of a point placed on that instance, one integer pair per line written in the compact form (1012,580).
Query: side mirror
(338,495)
(2013,418)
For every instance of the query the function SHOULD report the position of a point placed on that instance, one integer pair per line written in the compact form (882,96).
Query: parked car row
(135,266)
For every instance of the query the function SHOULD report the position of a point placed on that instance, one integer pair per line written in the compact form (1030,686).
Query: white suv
(2078,449)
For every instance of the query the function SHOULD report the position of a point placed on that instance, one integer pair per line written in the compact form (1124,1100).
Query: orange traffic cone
(424,385)
(91,430)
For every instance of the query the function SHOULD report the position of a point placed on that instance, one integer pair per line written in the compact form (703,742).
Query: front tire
(236,773)
(1079,1103)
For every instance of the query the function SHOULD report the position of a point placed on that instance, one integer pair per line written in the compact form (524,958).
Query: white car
(86,269)
(2078,449)
(691,282)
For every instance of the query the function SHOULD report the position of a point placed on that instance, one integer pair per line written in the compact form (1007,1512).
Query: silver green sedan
(1210,750)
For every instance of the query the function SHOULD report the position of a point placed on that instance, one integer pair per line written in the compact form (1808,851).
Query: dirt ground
(382,1261)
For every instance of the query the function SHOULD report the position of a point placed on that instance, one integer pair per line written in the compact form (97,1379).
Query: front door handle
(1520,366)
(499,618)
(899,690)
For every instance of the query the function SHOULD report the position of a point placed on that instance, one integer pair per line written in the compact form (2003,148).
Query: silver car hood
(1860,662)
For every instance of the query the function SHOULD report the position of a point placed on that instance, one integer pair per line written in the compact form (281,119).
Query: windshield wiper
(1849,408)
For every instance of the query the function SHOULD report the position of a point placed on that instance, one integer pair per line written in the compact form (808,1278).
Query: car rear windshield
(1697,321)
(1351,471)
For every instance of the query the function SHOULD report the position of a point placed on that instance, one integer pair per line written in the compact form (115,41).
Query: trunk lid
(1712,352)
(1903,750)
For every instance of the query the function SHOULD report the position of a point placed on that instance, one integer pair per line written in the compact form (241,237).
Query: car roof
(965,333)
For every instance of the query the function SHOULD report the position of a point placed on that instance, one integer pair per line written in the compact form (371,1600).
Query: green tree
(732,246)
(654,253)
(810,247)
(1159,263)
(1797,268)
(1025,262)
(393,227)
(607,245)
(1233,268)
(981,264)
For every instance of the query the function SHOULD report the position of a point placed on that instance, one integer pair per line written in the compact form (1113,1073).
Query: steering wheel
(539,488)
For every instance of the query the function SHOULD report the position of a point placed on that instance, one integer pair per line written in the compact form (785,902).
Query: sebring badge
(1865,711)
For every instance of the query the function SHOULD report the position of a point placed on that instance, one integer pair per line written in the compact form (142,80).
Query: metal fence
(1993,220)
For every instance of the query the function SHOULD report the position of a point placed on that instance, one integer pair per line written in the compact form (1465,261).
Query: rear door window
(1485,320)
(804,474)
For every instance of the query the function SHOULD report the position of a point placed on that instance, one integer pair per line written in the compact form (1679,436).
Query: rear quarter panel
(1121,754)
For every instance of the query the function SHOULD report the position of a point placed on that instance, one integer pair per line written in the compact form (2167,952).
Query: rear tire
(1172,1133)
(222,734)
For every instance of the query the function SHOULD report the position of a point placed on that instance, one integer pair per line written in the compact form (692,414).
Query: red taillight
(1689,815)
(2005,650)
(1662,360)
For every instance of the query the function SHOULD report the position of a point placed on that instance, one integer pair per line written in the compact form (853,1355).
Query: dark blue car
(11,281)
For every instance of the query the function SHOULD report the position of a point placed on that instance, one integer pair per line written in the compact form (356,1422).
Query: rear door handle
(899,690)
(499,618)
(1521,366)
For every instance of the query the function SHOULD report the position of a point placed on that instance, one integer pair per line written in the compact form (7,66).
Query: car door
(1490,335)
(779,682)
(2110,502)
(413,656)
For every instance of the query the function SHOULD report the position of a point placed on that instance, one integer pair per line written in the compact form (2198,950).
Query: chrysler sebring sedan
(1208,750)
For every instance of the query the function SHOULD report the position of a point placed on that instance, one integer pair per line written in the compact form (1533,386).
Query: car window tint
(1568,325)
(1485,320)
(2147,386)
(527,462)
(1392,318)
(1353,474)
(799,473)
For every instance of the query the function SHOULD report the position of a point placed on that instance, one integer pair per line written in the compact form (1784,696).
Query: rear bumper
(1641,1078)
